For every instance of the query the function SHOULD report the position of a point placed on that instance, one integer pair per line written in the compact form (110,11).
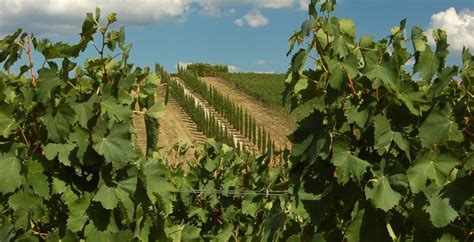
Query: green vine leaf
(116,146)
(7,124)
(356,114)
(62,151)
(336,79)
(48,81)
(382,74)
(439,128)
(84,111)
(381,194)
(433,166)
(384,136)
(419,40)
(37,179)
(115,111)
(77,212)
(427,65)
(156,111)
(107,197)
(348,165)
(10,178)
(440,211)
(58,122)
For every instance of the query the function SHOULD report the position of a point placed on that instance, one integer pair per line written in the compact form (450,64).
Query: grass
(267,88)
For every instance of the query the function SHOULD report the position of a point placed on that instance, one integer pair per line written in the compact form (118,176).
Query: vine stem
(351,84)
(30,58)
(319,49)
(33,83)
(23,135)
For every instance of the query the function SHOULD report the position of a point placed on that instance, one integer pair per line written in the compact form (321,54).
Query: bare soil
(175,127)
(271,118)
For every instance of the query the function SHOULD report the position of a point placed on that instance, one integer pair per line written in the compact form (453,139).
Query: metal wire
(234,192)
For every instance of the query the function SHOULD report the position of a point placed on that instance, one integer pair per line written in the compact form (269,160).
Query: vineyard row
(239,118)
(209,124)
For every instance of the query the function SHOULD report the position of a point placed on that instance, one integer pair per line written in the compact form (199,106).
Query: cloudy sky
(250,35)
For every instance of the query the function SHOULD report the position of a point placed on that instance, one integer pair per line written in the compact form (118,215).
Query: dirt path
(270,118)
(139,124)
(176,125)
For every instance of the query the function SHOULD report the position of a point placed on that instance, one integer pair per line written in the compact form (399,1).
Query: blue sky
(249,35)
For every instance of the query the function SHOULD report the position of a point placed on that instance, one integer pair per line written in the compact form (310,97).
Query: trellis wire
(234,192)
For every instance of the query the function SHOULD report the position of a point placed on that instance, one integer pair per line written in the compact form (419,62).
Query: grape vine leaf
(58,122)
(348,165)
(249,207)
(157,185)
(48,81)
(116,146)
(381,193)
(22,202)
(442,80)
(336,79)
(37,179)
(367,224)
(441,212)
(7,124)
(157,110)
(384,136)
(77,212)
(427,65)
(348,26)
(355,114)
(447,238)
(62,151)
(10,178)
(84,113)
(419,39)
(115,110)
(225,233)
(80,138)
(439,128)
(7,231)
(382,74)
(433,166)
(469,164)
(302,84)
(107,197)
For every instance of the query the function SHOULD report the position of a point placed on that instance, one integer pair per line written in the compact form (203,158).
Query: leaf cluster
(387,150)
(71,167)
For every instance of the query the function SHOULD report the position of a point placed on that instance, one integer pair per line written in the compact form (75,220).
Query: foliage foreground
(383,157)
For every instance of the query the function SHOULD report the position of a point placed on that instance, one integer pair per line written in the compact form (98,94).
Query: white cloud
(210,9)
(261,62)
(234,69)
(459,27)
(239,22)
(255,19)
(274,3)
(303,4)
(63,16)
